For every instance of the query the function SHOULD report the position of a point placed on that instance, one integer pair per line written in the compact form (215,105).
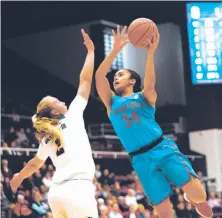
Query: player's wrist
(116,50)
(91,51)
(150,54)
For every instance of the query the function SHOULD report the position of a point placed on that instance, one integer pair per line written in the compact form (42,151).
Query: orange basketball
(141,32)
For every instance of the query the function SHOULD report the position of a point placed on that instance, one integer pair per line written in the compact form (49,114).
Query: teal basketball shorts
(160,168)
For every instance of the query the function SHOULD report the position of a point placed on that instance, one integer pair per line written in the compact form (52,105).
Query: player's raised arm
(102,84)
(31,167)
(150,78)
(87,70)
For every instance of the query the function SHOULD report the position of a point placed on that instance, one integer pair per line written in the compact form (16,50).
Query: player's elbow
(100,74)
(85,79)
(99,82)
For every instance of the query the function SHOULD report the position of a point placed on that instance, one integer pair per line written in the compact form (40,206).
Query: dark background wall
(203,107)
(60,52)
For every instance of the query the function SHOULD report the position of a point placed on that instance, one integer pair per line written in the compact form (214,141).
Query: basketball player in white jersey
(63,138)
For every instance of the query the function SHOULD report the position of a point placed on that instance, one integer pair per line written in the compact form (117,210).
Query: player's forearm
(107,63)
(28,170)
(150,77)
(87,70)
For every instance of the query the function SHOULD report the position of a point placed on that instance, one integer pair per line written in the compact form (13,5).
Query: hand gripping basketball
(142,32)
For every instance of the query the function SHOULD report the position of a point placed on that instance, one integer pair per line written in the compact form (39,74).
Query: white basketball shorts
(73,199)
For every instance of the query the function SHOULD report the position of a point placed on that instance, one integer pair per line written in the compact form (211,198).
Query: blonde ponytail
(47,126)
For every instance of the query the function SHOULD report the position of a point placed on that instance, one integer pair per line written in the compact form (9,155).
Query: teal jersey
(133,120)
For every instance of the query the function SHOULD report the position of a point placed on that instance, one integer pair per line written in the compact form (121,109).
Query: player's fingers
(153,39)
(87,38)
(158,37)
(85,35)
(146,43)
(124,31)
(118,30)
(83,32)
(113,33)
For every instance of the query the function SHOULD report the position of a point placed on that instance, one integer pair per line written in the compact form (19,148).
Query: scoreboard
(204,24)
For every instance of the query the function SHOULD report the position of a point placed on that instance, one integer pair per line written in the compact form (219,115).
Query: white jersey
(75,160)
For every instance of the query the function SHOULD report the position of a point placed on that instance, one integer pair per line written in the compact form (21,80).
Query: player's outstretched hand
(120,38)
(154,43)
(87,41)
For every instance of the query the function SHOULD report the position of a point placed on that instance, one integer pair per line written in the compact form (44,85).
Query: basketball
(141,32)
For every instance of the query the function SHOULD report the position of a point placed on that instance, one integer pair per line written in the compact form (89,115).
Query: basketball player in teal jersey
(156,159)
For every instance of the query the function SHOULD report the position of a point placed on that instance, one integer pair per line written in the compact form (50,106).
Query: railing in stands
(106,131)
(20,116)
(96,154)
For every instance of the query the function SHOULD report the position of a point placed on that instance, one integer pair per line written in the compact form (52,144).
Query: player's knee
(164,209)
(195,191)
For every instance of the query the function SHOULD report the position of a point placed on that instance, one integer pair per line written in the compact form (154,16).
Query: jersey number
(129,120)
(59,150)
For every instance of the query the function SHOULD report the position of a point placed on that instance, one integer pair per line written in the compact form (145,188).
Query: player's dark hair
(136,76)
